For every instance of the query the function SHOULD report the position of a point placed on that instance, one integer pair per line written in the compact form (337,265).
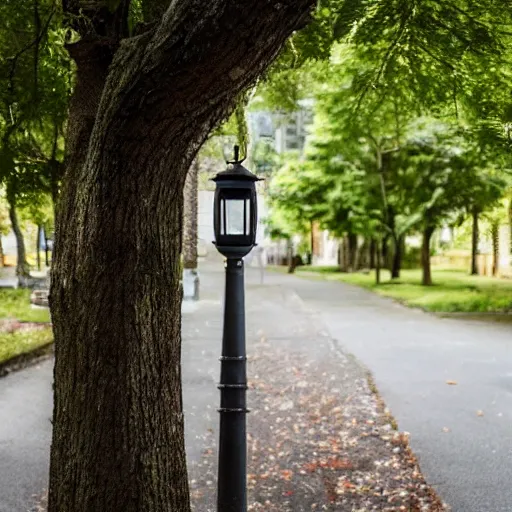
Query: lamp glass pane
(234,217)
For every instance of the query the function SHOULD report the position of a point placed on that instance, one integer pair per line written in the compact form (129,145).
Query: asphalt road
(466,456)
(25,434)
(461,433)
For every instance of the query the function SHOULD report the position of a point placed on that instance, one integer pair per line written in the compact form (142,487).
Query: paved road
(25,433)
(412,354)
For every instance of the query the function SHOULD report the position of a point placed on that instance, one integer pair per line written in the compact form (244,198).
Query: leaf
(287,474)
(451,382)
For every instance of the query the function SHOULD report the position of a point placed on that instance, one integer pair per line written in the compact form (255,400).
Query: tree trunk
(378,253)
(190,234)
(373,253)
(118,442)
(510,223)
(352,252)
(474,243)
(2,262)
(38,246)
(385,252)
(190,212)
(289,256)
(22,268)
(362,255)
(345,255)
(425,257)
(495,235)
(396,265)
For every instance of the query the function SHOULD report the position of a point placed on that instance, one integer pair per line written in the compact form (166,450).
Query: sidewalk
(319,438)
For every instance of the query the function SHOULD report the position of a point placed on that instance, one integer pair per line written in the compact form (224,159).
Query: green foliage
(385,164)
(265,158)
(291,194)
(35,84)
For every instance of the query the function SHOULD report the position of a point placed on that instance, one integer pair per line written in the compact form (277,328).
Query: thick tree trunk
(474,243)
(118,442)
(396,265)
(425,257)
(495,235)
(22,268)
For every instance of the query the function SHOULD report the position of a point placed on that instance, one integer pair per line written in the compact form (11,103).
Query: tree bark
(290,256)
(312,241)
(373,253)
(378,254)
(190,212)
(495,235)
(396,265)
(385,252)
(2,262)
(352,252)
(510,223)
(343,255)
(140,111)
(22,268)
(474,243)
(425,256)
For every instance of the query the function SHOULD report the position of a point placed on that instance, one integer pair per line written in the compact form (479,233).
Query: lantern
(235,213)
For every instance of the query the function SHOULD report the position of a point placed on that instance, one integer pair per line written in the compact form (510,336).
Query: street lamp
(234,222)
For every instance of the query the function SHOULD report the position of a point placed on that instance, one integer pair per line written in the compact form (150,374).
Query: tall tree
(190,233)
(142,106)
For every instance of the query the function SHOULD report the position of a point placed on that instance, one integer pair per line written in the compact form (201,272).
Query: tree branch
(196,61)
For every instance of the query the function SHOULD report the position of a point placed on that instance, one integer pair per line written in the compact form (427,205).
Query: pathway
(461,433)
(412,355)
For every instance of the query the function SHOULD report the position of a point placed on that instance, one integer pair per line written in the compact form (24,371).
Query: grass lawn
(18,342)
(453,290)
(15,304)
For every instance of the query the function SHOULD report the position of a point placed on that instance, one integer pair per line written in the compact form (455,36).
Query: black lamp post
(234,222)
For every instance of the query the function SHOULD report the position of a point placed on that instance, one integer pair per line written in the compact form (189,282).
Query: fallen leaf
(287,474)
(451,382)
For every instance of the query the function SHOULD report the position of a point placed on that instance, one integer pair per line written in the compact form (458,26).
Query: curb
(26,359)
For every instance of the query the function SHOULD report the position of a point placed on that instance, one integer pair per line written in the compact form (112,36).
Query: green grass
(22,341)
(453,290)
(16,304)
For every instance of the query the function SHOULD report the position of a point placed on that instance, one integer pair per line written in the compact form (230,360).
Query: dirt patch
(11,325)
